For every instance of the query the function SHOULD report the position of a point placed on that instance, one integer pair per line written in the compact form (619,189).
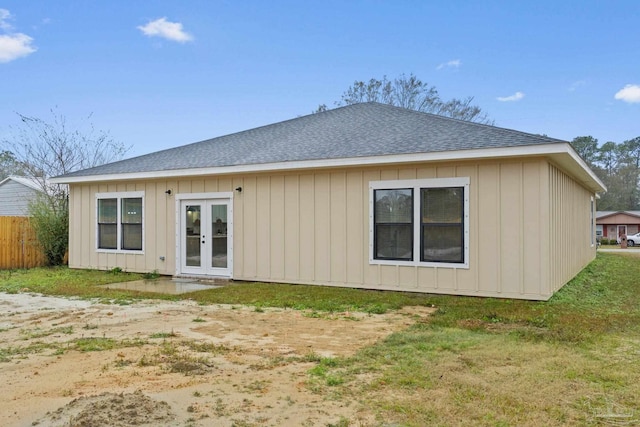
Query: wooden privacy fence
(18,245)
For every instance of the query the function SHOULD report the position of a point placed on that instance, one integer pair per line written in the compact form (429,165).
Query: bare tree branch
(412,93)
(45,149)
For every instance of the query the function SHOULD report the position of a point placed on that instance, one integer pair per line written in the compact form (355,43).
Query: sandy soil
(186,365)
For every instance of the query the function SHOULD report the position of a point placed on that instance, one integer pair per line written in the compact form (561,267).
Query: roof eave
(617,213)
(24,181)
(562,153)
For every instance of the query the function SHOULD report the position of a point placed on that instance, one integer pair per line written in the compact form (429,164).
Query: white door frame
(206,199)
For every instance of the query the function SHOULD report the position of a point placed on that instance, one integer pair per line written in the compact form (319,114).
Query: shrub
(50,221)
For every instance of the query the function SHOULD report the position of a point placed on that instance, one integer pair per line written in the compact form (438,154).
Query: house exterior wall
(312,227)
(15,198)
(572,231)
(611,231)
(610,224)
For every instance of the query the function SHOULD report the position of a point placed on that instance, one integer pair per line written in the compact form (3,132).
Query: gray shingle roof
(359,130)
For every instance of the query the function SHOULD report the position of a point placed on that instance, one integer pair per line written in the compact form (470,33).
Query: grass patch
(486,361)
(164,335)
(303,297)
(28,334)
(9,353)
(102,344)
(176,358)
(63,281)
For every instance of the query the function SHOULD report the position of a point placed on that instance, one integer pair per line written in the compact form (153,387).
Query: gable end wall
(15,198)
(570,228)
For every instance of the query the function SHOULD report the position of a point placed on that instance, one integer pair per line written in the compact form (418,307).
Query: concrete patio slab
(163,285)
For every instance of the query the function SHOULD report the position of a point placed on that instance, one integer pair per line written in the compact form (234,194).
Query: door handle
(203,238)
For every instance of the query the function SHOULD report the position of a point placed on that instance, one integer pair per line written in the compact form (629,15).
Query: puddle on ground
(163,285)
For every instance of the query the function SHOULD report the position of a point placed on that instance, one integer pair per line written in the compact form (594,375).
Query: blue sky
(158,74)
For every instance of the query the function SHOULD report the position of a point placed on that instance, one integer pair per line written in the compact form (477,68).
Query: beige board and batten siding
(572,245)
(159,223)
(158,235)
(312,227)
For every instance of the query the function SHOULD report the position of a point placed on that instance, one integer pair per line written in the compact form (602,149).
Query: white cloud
(454,63)
(165,29)
(515,97)
(4,17)
(13,45)
(629,93)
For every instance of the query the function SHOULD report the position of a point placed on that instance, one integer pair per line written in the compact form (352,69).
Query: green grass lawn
(574,360)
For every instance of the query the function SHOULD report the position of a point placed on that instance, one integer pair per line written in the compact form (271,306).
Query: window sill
(454,265)
(119,251)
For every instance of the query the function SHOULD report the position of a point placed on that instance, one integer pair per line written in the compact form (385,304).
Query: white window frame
(119,196)
(600,229)
(416,185)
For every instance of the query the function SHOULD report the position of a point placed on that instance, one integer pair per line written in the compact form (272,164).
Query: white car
(633,239)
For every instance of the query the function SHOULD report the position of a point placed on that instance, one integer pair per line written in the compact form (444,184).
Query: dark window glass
(393,224)
(131,218)
(442,224)
(130,223)
(107,223)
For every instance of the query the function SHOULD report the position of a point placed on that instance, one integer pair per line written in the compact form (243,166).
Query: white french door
(206,237)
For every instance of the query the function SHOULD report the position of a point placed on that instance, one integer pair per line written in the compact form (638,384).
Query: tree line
(618,167)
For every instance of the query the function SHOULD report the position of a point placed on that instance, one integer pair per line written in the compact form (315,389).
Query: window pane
(107,211)
(107,236)
(442,224)
(132,237)
(442,205)
(394,241)
(393,206)
(132,211)
(442,243)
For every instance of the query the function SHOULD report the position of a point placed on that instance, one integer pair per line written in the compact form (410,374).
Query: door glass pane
(219,236)
(192,233)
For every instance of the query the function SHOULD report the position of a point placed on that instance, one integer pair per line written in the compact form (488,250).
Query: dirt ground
(174,363)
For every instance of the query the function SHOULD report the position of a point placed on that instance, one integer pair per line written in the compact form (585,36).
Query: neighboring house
(15,194)
(613,224)
(365,196)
